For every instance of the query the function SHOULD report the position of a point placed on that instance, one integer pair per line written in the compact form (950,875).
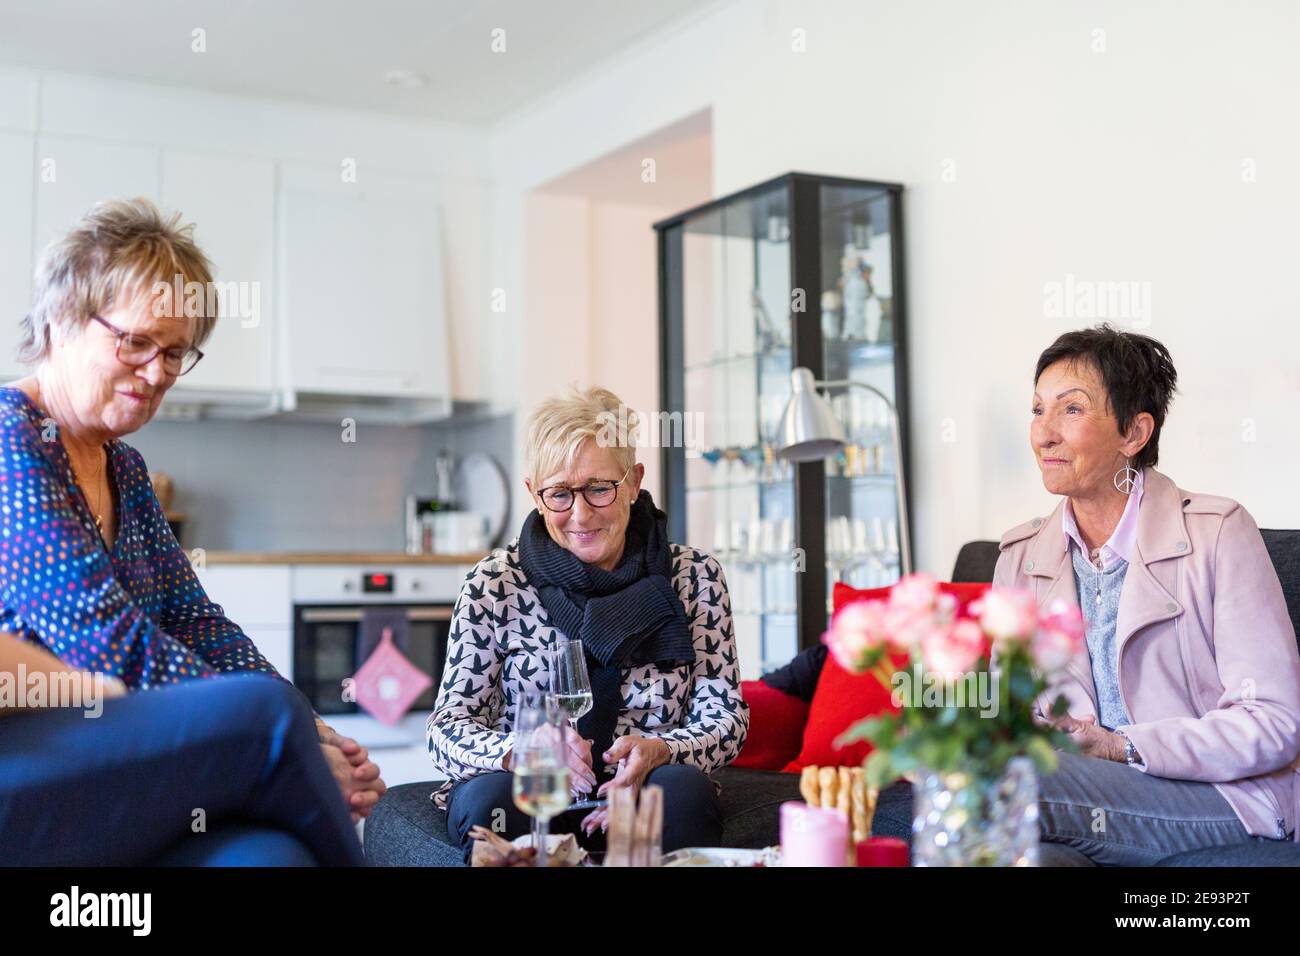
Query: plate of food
(722,856)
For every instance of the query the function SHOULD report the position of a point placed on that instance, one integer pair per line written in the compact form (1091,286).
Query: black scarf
(625,618)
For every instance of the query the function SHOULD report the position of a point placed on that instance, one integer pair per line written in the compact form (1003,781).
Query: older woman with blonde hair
(89,568)
(592,563)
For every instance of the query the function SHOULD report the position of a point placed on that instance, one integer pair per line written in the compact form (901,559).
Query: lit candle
(813,836)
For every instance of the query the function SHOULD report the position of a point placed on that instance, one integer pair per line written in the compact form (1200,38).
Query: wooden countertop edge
(338,557)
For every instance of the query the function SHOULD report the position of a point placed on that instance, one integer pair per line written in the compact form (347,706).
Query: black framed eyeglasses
(599,493)
(137,350)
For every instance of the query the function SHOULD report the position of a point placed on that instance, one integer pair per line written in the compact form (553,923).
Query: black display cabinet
(800,271)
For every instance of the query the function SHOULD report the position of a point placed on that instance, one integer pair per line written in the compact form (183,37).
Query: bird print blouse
(138,613)
(497,651)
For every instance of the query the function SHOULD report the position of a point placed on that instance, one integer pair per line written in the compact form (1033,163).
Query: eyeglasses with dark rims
(599,493)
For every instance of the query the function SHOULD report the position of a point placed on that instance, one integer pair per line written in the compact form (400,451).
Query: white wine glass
(570,685)
(541,771)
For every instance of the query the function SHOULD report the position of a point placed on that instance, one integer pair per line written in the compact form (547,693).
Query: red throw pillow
(776,721)
(842,699)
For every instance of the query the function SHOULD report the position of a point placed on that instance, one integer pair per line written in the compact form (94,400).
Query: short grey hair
(118,250)
(561,425)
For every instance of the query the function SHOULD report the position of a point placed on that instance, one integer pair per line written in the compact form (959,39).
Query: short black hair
(1136,370)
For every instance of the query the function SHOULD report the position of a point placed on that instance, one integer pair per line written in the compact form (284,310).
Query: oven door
(325,642)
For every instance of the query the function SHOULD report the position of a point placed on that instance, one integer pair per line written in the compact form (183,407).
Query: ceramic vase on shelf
(961,819)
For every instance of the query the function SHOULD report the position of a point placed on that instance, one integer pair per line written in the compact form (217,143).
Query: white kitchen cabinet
(361,284)
(17,182)
(77,173)
(231,201)
(257,598)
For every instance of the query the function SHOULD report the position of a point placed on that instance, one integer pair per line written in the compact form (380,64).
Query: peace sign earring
(1126,479)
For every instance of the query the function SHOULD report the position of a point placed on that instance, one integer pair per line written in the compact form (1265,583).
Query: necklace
(98,510)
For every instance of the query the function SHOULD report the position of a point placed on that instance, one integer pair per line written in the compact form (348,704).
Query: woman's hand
(356,774)
(1092,740)
(112,686)
(578,751)
(640,755)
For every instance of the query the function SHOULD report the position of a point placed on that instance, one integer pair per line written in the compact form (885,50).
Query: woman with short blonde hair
(592,563)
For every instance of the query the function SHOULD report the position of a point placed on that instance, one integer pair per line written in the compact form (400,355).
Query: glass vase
(963,819)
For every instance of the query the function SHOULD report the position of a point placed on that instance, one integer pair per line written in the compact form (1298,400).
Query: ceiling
(336,52)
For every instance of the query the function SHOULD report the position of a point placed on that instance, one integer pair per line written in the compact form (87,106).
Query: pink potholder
(388,683)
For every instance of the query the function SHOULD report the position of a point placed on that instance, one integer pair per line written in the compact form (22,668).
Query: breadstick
(861,815)
(843,799)
(809,788)
(828,779)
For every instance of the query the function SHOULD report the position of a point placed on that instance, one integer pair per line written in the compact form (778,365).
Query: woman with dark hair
(1186,703)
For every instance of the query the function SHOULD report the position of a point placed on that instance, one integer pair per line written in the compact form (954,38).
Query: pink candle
(882,851)
(812,836)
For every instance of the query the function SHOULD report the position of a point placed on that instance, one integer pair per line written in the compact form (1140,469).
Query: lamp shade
(809,429)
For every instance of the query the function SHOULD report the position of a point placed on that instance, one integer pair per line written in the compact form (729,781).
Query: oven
(330,641)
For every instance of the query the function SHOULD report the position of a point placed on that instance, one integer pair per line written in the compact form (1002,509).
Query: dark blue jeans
(240,753)
(692,814)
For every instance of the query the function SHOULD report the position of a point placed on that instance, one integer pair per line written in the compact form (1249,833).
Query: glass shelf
(741,486)
(779,355)
(860,351)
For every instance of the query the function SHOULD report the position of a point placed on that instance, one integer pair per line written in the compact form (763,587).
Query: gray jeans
(1099,812)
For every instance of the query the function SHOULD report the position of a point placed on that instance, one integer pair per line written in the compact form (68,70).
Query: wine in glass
(570,684)
(541,772)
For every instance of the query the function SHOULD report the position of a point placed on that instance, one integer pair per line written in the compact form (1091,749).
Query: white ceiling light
(406,79)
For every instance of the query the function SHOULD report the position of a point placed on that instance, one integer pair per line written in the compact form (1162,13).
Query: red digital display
(377,582)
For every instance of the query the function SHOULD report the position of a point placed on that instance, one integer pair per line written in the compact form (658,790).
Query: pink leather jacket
(1208,667)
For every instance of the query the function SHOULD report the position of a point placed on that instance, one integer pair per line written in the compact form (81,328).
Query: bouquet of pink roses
(967,691)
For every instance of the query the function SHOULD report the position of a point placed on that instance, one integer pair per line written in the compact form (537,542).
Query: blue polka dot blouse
(138,613)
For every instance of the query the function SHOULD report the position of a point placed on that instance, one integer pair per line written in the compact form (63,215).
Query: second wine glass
(540,787)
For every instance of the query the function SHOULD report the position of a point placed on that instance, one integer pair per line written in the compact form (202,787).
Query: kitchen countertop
(337,557)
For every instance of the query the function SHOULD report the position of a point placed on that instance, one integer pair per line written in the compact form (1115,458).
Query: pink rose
(1007,614)
(857,630)
(953,649)
(1060,636)
(916,592)
(916,607)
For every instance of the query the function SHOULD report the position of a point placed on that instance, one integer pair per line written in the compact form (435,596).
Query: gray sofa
(406,829)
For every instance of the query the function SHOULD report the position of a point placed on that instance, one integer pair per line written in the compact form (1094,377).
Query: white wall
(1028,156)
(592,316)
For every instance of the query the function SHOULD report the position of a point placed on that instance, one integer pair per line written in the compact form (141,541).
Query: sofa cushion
(406,829)
(776,722)
(842,699)
(751,805)
(1257,851)
(1284,551)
